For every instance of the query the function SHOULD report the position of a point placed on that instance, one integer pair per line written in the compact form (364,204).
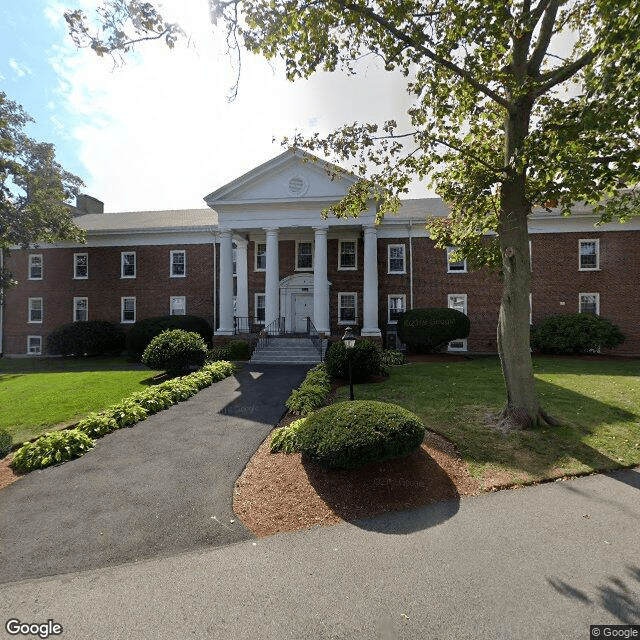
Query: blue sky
(158,132)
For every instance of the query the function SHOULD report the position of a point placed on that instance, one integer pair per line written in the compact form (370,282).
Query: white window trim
(135,311)
(171,254)
(355,244)
(256,296)
(255,256)
(184,304)
(135,264)
(297,245)
(75,266)
(36,255)
(31,308)
(350,323)
(449,269)
(463,341)
(75,302)
(29,351)
(590,240)
(404,258)
(404,306)
(597,296)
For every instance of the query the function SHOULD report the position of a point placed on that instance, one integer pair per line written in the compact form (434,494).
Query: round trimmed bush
(90,337)
(429,330)
(348,435)
(365,360)
(175,352)
(574,333)
(144,331)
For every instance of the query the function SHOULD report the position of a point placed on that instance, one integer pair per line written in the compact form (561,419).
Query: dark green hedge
(175,352)
(142,332)
(348,435)
(429,330)
(574,333)
(92,338)
(365,360)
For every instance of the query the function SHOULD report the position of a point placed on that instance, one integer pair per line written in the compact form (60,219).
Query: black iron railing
(315,337)
(265,336)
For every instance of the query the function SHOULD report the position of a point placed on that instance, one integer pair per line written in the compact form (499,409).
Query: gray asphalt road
(158,488)
(538,563)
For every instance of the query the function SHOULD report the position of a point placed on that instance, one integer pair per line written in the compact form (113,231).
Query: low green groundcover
(348,435)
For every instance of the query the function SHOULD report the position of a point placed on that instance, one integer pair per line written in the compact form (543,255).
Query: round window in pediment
(297,186)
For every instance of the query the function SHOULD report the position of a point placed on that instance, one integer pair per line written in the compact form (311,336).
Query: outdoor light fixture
(349,341)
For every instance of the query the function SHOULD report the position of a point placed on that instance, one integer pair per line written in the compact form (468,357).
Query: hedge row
(312,393)
(58,446)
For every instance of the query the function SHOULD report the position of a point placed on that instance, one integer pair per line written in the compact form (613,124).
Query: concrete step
(281,350)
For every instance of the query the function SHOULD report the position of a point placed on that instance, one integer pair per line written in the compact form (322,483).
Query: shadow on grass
(364,496)
(615,596)
(67,363)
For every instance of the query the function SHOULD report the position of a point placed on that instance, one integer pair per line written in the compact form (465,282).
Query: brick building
(262,251)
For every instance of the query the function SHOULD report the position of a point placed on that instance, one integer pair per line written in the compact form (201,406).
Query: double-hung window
(178,263)
(177,306)
(589,251)
(128,264)
(589,303)
(396,258)
(347,308)
(458,301)
(259,314)
(35,309)
(304,256)
(347,257)
(261,256)
(80,309)
(35,266)
(80,266)
(127,310)
(396,306)
(455,266)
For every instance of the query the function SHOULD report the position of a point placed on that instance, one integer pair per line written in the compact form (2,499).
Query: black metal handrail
(265,336)
(315,337)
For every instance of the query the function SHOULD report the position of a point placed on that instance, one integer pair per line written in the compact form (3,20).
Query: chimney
(88,204)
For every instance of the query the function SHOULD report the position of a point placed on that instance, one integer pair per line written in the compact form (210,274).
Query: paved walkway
(158,488)
(540,562)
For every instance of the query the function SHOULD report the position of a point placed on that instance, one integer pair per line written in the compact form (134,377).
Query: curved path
(162,486)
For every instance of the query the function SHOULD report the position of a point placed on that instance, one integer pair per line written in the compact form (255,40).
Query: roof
(178,219)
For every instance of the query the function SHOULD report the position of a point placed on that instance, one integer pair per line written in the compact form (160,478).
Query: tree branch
(561,74)
(420,46)
(544,38)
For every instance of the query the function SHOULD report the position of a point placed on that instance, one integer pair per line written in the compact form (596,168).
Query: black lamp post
(349,341)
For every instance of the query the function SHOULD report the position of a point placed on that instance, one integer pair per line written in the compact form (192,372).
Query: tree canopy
(33,187)
(516,104)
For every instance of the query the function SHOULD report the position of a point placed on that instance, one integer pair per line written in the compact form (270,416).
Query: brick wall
(152,287)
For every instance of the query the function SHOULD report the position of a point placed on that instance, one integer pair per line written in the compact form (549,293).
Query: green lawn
(40,394)
(597,401)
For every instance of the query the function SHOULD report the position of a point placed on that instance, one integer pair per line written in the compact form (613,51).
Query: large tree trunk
(522,409)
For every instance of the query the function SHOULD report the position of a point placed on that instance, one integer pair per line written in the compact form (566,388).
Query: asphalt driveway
(160,487)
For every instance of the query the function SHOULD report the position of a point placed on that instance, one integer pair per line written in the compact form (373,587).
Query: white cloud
(158,132)
(19,69)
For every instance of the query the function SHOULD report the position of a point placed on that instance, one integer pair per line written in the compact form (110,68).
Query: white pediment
(294,176)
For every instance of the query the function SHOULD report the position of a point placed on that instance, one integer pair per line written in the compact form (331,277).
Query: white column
(242,279)
(320,281)
(225,325)
(272,280)
(370,292)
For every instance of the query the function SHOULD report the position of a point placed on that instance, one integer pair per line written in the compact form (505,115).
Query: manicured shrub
(348,435)
(239,350)
(51,448)
(365,360)
(284,439)
(142,332)
(429,330)
(575,333)
(175,351)
(219,353)
(91,338)
(312,393)
(6,441)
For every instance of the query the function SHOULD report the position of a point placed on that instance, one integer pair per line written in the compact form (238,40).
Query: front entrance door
(302,309)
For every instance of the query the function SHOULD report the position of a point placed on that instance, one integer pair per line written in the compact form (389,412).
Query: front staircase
(286,350)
